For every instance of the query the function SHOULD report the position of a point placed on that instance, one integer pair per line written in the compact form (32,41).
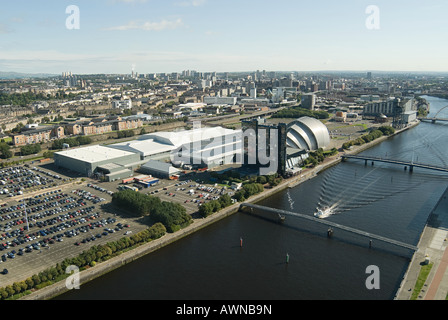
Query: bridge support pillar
(411,169)
(365,162)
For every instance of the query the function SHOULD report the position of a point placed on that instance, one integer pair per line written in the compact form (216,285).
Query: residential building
(122,104)
(221,100)
(37,135)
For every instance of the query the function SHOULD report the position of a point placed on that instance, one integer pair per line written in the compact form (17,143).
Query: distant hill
(17,75)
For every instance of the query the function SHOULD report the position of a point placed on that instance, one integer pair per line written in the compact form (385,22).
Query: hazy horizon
(150,36)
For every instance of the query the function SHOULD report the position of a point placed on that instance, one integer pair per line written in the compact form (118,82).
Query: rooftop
(95,153)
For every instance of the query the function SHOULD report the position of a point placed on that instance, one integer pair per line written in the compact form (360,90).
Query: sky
(154,36)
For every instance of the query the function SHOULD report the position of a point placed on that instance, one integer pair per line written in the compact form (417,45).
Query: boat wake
(324,212)
(339,194)
(291,202)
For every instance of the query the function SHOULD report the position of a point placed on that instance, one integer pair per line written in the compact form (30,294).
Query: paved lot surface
(30,258)
(68,215)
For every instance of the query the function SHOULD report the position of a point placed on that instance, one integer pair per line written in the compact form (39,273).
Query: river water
(383,199)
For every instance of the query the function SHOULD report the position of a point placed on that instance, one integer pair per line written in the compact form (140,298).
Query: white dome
(307,134)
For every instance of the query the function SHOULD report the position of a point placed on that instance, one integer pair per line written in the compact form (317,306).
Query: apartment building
(38,135)
(103,125)
(86,128)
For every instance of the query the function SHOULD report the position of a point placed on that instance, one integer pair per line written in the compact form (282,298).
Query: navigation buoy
(241,242)
(287,258)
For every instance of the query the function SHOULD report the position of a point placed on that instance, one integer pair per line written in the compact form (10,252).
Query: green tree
(206,209)
(387,130)
(10,290)
(29,283)
(3,293)
(5,151)
(225,200)
(30,149)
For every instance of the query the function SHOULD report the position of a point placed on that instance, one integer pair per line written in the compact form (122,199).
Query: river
(383,199)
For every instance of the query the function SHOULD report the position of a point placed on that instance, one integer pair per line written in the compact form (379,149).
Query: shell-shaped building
(307,134)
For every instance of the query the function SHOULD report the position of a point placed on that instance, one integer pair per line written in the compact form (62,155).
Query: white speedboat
(323,213)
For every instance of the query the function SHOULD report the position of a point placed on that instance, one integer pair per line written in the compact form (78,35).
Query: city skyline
(148,36)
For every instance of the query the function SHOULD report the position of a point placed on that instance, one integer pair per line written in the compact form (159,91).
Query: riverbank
(125,258)
(432,245)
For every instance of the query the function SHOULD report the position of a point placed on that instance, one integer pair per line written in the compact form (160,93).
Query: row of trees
(21,99)
(87,258)
(212,206)
(135,202)
(30,149)
(297,112)
(316,157)
(24,99)
(228,176)
(273,179)
(372,135)
(6,152)
(125,134)
(248,190)
(72,142)
(387,130)
(172,215)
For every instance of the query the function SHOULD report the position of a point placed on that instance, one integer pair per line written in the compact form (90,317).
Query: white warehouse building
(209,147)
(202,147)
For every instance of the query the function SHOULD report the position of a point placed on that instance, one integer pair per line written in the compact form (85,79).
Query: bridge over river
(411,164)
(330,224)
(435,117)
(433,120)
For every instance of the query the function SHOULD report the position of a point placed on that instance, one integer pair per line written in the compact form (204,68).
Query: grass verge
(423,275)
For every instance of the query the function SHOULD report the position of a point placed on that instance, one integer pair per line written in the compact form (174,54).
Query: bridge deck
(401,162)
(433,119)
(332,224)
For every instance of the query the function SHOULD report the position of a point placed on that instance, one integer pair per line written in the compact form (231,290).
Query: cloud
(4,29)
(16,19)
(191,3)
(149,26)
(131,1)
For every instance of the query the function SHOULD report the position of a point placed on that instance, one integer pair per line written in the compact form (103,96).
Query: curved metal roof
(307,133)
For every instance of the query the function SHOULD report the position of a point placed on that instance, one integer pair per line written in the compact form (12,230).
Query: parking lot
(17,180)
(179,191)
(190,194)
(45,216)
(39,230)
